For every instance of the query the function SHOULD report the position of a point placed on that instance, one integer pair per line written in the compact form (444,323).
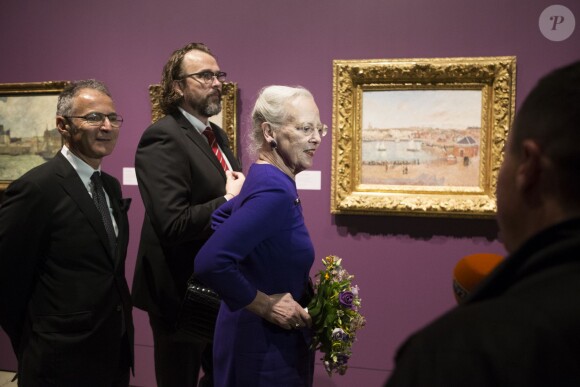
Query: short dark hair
(65,99)
(170,100)
(550,115)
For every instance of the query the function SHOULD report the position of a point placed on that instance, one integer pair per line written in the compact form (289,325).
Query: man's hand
(234,183)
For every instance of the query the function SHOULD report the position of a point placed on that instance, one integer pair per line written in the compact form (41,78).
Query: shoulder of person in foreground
(480,344)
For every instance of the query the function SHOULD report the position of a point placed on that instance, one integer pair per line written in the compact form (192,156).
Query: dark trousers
(122,376)
(177,359)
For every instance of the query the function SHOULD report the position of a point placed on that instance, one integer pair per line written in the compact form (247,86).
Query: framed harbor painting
(227,119)
(420,137)
(28,134)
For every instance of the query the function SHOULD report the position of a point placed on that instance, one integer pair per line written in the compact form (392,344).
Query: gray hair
(65,99)
(271,106)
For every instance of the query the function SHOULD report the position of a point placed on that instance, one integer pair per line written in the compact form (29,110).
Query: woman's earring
(273,144)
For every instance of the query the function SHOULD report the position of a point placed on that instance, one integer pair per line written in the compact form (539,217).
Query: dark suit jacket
(521,327)
(181,183)
(63,295)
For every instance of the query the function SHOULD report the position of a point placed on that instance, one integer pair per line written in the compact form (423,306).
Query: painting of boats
(421,137)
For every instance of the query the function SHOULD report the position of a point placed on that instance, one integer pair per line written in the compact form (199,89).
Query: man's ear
(177,88)
(63,126)
(530,166)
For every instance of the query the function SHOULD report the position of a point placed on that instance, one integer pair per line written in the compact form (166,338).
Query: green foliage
(335,315)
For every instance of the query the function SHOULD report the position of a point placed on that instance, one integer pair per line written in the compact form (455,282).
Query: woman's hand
(280,309)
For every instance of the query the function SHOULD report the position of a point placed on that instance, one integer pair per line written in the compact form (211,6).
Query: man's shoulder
(168,125)
(40,181)
(44,171)
(492,322)
(173,119)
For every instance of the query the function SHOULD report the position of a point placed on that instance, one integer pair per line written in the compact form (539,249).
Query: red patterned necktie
(214,147)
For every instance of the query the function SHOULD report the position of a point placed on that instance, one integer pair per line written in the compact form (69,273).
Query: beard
(210,106)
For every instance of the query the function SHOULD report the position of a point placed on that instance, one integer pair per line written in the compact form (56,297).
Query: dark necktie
(214,147)
(101,203)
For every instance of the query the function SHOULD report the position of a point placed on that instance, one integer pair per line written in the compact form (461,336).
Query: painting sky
(28,116)
(445,109)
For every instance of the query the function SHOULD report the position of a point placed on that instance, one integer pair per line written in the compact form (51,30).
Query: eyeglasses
(98,119)
(307,129)
(207,76)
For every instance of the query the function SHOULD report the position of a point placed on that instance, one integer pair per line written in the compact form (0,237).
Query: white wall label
(129,176)
(308,180)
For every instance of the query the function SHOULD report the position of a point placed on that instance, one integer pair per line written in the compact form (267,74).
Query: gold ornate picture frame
(28,134)
(420,137)
(227,119)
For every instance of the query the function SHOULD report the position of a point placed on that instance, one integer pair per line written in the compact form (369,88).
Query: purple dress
(260,243)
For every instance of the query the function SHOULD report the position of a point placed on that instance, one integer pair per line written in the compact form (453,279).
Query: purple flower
(341,359)
(346,298)
(339,335)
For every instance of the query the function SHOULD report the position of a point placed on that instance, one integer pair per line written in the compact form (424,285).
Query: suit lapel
(198,140)
(73,185)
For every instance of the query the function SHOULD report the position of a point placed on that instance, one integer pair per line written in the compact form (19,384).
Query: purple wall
(403,265)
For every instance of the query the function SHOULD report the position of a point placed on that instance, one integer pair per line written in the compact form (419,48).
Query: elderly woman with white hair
(259,257)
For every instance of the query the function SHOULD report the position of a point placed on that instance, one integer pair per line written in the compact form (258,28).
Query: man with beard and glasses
(185,171)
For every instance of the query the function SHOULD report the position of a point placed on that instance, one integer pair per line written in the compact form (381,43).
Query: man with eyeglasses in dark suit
(185,170)
(64,300)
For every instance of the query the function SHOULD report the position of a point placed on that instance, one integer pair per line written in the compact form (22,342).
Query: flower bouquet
(335,315)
